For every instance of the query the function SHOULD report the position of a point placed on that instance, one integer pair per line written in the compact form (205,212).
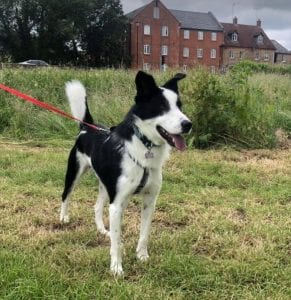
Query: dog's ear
(145,86)
(172,84)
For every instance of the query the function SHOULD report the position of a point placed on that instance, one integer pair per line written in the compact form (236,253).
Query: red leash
(45,105)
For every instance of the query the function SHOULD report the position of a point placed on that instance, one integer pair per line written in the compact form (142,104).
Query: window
(164,67)
(185,68)
(186,34)
(234,37)
(185,52)
(213,36)
(283,59)
(257,56)
(241,54)
(156,12)
(213,53)
(165,31)
(146,66)
(200,35)
(147,29)
(164,50)
(147,49)
(266,57)
(199,53)
(231,54)
(260,39)
(213,69)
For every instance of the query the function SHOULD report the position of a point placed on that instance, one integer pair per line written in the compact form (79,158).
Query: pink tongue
(179,142)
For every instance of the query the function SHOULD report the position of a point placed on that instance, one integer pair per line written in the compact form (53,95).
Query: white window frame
(200,35)
(186,34)
(164,67)
(283,58)
(231,54)
(257,55)
(156,12)
(213,53)
(185,68)
(199,53)
(260,39)
(186,52)
(234,37)
(146,66)
(165,30)
(164,50)
(213,36)
(213,69)
(147,49)
(266,56)
(147,29)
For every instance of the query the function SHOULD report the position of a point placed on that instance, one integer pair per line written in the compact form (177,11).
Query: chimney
(259,23)
(235,20)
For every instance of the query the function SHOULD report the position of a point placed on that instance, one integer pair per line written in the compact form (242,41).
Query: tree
(66,31)
(105,35)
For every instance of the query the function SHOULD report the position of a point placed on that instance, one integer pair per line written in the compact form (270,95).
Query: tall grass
(232,109)
(238,108)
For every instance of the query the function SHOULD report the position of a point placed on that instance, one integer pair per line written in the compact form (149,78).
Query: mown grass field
(221,229)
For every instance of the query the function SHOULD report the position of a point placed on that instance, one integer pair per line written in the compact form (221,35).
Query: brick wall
(155,38)
(283,58)
(207,44)
(233,55)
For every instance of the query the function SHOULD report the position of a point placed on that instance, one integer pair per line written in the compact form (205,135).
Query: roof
(247,35)
(197,20)
(188,19)
(131,15)
(280,48)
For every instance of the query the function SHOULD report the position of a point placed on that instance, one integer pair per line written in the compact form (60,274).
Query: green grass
(237,108)
(221,229)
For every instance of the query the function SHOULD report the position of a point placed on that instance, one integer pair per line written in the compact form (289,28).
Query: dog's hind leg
(76,167)
(101,200)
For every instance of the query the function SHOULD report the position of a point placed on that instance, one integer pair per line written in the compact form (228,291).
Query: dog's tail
(76,94)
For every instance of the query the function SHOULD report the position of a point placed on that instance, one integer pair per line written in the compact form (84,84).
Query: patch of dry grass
(221,229)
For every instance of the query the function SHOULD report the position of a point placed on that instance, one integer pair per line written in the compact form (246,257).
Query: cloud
(281,36)
(280,5)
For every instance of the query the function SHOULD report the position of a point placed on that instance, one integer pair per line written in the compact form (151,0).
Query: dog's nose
(186,126)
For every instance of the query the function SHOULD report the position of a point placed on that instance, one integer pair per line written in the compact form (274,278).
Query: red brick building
(161,37)
(245,42)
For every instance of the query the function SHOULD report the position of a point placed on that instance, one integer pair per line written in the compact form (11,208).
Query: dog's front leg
(148,206)
(115,217)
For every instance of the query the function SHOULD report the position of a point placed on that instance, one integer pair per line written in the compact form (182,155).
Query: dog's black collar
(147,143)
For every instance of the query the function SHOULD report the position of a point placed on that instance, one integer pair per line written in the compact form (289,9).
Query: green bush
(228,109)
(253,67)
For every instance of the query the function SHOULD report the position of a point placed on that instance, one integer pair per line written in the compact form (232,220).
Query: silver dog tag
(149,155)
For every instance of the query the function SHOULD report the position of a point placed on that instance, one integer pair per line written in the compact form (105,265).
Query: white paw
(64,219)
(105,232)
(116,269)
(142,254)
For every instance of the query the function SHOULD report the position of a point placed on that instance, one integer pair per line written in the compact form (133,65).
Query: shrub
(227,109)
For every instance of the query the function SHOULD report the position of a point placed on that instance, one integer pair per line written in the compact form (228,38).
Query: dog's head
(158,110)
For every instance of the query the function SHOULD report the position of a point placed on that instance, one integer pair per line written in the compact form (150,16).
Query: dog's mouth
(174,140)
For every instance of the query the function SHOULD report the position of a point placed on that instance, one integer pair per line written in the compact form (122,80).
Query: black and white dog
(128,158)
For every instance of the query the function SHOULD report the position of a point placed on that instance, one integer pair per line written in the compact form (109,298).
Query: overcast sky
(275,14)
